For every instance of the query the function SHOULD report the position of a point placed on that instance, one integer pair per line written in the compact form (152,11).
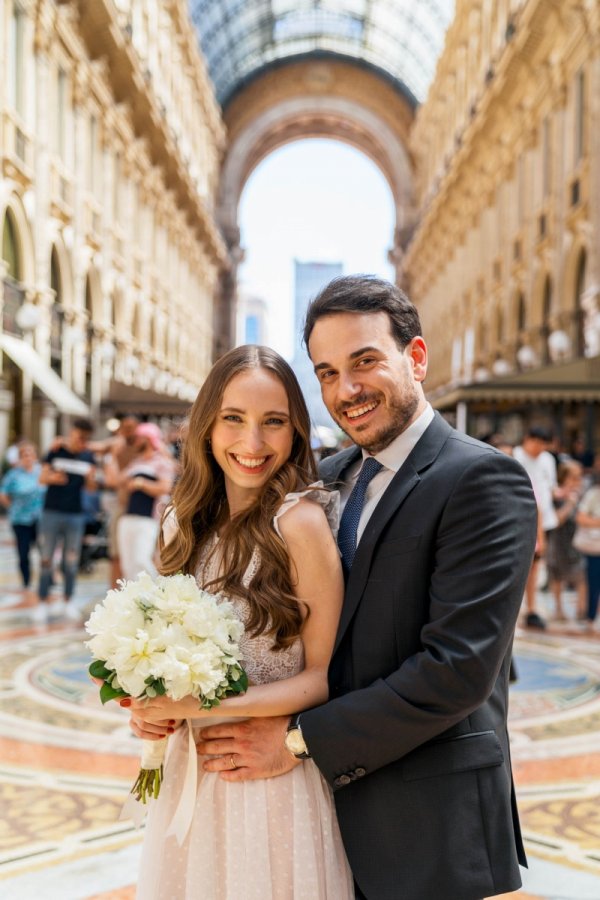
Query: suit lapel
(404,481)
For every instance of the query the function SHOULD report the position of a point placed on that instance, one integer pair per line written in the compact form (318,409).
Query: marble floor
(66,762)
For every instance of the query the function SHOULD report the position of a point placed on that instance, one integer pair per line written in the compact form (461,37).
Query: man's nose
(348,386)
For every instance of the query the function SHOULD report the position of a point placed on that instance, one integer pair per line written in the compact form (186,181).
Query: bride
(247,519)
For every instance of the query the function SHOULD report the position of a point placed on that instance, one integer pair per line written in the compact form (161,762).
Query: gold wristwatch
(294,741)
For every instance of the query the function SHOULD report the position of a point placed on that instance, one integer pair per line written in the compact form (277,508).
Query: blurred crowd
(84,500)
(87,499)
(566,485)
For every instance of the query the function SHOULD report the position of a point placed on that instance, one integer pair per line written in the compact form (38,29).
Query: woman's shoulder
(309,508)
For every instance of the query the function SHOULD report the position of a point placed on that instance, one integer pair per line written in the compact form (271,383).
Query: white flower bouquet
(164,636)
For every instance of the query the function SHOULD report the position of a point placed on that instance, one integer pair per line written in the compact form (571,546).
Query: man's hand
(256,746)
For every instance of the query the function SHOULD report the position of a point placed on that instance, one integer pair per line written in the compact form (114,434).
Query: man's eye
(326,374)
(365,361)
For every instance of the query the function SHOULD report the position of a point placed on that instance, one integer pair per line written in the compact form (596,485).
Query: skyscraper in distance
(309,278)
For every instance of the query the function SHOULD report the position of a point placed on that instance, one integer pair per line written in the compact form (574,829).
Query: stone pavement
(66,763)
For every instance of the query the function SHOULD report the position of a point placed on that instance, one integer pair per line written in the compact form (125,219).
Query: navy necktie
(352,510)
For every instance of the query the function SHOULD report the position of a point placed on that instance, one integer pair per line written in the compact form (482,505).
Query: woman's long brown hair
(200,503)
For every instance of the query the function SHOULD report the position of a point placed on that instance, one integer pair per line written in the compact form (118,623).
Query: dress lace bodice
(262,663)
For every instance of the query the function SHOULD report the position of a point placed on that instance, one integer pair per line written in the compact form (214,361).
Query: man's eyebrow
(354,355)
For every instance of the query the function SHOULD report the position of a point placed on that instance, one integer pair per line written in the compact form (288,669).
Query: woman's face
(27,455)
(252,435)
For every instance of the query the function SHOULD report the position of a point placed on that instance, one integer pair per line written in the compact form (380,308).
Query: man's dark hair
(365,294)
(83,425)
(540,433)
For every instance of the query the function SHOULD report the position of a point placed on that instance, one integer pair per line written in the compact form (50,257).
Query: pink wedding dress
(273,839)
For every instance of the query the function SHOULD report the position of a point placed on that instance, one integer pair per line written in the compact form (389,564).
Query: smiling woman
(252,435)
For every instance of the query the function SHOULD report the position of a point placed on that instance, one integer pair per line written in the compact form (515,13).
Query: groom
(437,537)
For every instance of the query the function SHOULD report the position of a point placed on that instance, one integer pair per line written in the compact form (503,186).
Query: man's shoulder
(332,467)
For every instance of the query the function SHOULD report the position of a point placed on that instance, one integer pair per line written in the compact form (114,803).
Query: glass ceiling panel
(401,37)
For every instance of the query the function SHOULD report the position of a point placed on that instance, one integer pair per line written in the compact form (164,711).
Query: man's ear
(417,353)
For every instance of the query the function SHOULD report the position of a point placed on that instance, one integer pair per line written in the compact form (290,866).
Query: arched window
(10,247)
(14,294)
(546,311)
(521,314)
(499,328)
(56,315)
(89,334)
(579,310)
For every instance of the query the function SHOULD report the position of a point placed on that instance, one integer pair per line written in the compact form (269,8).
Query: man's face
(127,429)
(78,440)
(533,446)
(371,388)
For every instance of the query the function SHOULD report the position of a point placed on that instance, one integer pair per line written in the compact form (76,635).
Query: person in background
(563,562)
(142,484)
(121,452)
(66,470)
(588,515)
(540,465)
(23,496)
(582,454)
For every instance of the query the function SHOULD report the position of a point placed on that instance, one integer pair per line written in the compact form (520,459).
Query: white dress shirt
(391,458)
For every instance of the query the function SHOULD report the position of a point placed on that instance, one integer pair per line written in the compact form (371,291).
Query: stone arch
(319,98)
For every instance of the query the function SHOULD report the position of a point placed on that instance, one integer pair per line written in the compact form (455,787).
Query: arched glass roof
(402,38)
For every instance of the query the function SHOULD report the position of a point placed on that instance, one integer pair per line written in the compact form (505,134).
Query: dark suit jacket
(413,739)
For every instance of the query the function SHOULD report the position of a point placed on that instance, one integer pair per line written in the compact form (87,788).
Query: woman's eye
(231,417)
(275,421)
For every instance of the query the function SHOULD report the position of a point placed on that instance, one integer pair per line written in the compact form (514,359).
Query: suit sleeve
(482,555)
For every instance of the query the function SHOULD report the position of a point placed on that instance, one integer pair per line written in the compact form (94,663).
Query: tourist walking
(67,470)
(142,485)
(23,496)
(587,540)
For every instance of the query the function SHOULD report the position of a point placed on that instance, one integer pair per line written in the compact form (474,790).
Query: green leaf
(107,692)
(159,687)
(98,669)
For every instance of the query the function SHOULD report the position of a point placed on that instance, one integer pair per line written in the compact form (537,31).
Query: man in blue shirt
(66,471)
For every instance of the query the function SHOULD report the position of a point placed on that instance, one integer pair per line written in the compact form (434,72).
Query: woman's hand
(161,709)
(152,731)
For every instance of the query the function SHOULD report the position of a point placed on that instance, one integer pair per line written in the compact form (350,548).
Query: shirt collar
(395,454)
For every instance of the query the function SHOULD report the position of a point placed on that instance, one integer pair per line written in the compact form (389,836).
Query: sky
(312,200)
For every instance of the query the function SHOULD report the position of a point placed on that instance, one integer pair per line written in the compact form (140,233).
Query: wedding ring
(232,761)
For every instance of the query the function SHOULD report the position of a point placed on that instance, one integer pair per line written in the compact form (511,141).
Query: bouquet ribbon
(182,817)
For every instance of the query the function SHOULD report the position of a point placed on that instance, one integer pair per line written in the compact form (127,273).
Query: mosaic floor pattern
(66,763)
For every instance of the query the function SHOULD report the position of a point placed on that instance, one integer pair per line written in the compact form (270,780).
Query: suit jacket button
(342,780)
(360,772)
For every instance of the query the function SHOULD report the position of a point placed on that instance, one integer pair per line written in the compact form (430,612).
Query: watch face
(295,742)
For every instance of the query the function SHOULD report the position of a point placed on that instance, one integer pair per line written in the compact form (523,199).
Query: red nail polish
(171,721)
(170,730)
(126,702)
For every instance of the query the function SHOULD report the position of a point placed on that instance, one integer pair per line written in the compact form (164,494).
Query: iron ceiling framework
(401,38)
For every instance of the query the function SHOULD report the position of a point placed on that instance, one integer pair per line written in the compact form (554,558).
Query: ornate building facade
(504,263)
(110,142)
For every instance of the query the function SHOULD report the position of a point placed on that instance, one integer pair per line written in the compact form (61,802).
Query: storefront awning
(45,378)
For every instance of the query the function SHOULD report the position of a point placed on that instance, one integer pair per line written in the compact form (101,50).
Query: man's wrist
(294,740)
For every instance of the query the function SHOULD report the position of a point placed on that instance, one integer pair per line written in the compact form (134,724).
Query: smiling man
(437,536)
